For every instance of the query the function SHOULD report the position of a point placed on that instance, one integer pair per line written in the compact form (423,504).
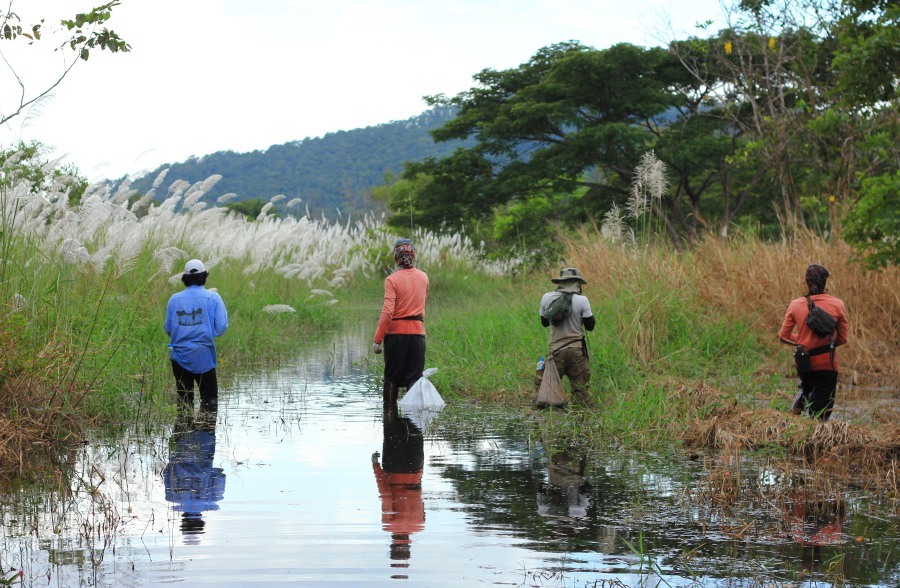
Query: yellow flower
(831,198)
(771,42)
(728,47)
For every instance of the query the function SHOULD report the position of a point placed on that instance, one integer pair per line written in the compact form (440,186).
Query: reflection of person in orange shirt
(399,479)
(818,385)
(816,523)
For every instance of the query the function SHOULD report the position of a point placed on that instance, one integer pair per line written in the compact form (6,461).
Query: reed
(83,289)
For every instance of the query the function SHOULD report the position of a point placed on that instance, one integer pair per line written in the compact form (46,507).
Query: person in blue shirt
(194,317)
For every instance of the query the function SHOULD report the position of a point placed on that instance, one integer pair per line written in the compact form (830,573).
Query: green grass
(485,337)
(97,338)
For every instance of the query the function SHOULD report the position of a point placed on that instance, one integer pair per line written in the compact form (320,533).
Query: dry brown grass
(754,280)
(861,455)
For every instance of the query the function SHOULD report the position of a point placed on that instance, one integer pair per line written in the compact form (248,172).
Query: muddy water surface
(299,479)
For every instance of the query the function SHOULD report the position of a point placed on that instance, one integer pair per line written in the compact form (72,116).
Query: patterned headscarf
(405,253)
(816,275)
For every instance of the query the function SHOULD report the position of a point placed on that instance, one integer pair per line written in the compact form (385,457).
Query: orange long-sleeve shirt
(405,292)
(402,509)
(794,328)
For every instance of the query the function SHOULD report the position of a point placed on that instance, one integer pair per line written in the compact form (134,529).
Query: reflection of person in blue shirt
(192,484)
(194,317)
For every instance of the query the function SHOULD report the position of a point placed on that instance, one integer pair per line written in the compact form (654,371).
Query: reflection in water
(816,523)
(399,479)
(193,485)
(566,493)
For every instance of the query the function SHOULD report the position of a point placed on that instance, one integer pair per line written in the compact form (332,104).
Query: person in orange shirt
(401,327)
(818,384)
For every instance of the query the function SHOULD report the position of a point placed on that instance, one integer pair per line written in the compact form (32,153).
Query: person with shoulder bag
(815,325)
(568,314)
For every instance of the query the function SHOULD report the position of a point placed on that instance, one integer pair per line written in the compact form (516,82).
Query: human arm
(387,310)
(843,327)
(588,321)
(220,322)
(786,334)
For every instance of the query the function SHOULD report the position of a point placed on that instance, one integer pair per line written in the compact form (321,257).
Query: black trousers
(818,392)
(206,384)
(404,359)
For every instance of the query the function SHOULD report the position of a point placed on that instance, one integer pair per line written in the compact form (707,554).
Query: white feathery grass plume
(226,197)
(278,308)
(72,252)
(157,182)
(293,202)
(124,192)
(167,257)
(277,198)
(613,227)
(638,202)
(319,292)
(128,254)
(100,258)
(141,204)
(650,177)
(199,190)
(264,212)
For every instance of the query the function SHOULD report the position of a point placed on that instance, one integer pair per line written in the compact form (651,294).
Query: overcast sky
(241,75)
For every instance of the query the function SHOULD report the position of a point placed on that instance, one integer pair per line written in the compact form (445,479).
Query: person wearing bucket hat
(568,347)
(817,365)
(194,318)
(401,327)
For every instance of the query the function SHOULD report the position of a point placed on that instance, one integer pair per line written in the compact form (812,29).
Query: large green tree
(572,118)
(811,89)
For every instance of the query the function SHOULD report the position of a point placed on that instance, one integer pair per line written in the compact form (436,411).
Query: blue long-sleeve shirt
(194,317)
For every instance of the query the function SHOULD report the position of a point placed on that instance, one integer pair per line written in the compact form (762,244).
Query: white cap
(194,266)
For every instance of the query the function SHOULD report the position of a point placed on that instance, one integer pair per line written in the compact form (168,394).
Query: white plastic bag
(422,403)
(422,395)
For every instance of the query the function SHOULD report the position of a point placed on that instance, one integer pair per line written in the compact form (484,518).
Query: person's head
(569,279)
(816,276)
(195,273)
(405,253)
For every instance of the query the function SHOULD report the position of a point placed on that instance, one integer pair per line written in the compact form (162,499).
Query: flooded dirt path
(299,478)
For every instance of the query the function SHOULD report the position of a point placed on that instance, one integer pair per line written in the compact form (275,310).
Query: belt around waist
(415,317)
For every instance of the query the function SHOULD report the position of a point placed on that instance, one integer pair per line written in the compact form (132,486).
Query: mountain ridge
(332,174)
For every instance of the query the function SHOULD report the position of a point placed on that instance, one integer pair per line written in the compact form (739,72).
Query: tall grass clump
(84,284)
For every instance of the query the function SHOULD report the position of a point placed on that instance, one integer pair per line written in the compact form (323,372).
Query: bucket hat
(568,273)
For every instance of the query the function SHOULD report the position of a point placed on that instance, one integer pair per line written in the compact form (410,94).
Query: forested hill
(329,173)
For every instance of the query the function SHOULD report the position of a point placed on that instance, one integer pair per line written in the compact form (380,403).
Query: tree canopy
(779,120)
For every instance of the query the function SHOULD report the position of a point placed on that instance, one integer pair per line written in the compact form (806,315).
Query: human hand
(376,347)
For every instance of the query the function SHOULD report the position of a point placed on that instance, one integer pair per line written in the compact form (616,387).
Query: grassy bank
(84,285)
(685,352)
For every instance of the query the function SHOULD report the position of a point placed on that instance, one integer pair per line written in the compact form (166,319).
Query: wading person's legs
(184,384)
(573,363)
(208,385)
(819,391)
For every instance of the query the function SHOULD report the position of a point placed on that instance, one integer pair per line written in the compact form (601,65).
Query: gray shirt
(569,332)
